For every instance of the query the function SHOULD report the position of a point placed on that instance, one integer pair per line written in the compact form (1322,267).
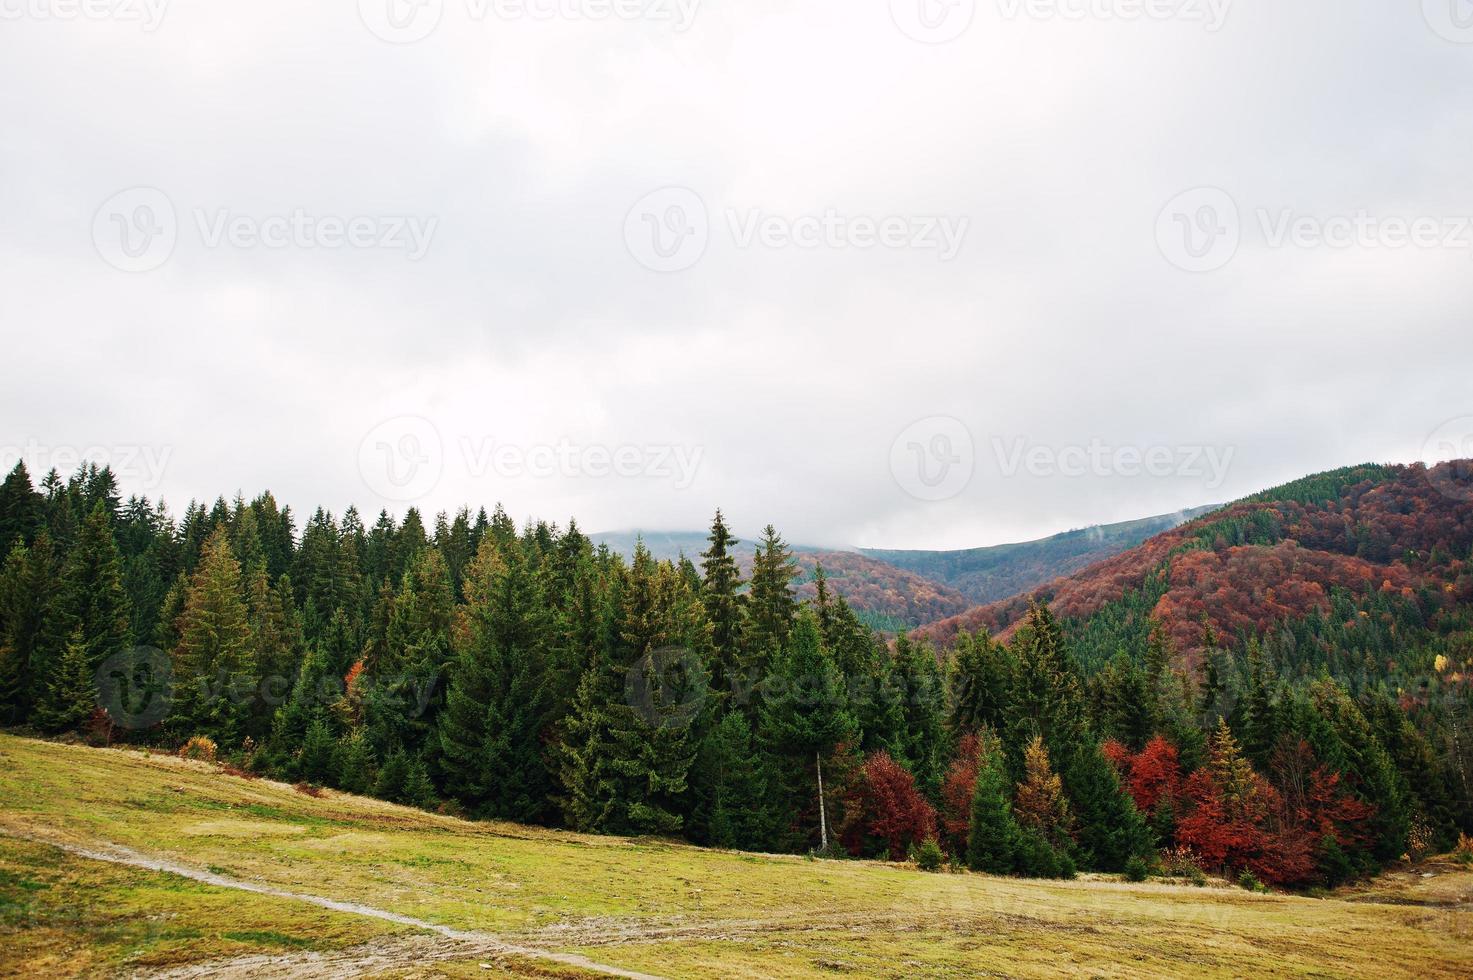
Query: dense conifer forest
(517,672)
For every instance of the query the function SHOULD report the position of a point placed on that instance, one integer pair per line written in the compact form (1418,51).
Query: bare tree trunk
(823,819)
(1459,756)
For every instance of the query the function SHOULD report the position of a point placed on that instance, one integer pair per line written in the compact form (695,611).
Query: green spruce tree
(725,604)
(980,683)
(804,713)
(497,705)
(22,509)
(31,640)
(993,836)
(771,603)
(71,691)
(214,663)
(94,600)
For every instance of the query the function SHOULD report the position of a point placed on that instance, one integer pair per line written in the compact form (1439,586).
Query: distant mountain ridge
(900,590)
(886,598)
(1362,554)
(670,545)
(999,571)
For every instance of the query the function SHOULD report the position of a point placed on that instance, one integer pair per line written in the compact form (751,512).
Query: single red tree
(894,810)
(956,795)
(1155,775)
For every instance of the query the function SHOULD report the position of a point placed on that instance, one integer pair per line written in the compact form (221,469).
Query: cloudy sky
(883,272)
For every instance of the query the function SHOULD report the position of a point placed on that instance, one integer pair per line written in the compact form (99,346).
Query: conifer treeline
(523,674)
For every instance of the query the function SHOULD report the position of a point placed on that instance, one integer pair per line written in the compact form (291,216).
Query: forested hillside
(1355,546)
(1344,599)
(1002,571)
(518,672)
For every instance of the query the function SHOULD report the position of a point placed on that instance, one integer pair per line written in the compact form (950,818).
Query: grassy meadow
(637,905)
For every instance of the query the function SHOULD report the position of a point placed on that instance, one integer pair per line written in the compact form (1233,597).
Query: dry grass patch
(669,909)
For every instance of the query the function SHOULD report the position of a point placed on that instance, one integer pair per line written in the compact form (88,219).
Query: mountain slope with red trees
(885,596)
(1277,556)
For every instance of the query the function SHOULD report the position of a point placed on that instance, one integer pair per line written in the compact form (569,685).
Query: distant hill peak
(1354,536)
(996,572)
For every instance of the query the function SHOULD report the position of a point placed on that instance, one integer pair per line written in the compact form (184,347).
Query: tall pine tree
(497,704)
(214,663)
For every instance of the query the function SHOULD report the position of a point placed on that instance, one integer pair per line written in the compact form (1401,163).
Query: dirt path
(378,956)
(451,944)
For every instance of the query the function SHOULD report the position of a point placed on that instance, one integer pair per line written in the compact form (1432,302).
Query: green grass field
(515,894)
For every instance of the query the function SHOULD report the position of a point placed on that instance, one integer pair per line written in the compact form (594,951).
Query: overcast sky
(892,274)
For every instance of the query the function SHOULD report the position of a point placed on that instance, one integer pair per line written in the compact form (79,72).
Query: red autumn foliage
(894,812)
(956,794)
(1227,832)
(1286,858)
(1396,529)
(1273,831)
(1118,756)
(1333,812)
(873,586)
(1316,799)
(1155,775)
(1151,775)
(1247,589)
